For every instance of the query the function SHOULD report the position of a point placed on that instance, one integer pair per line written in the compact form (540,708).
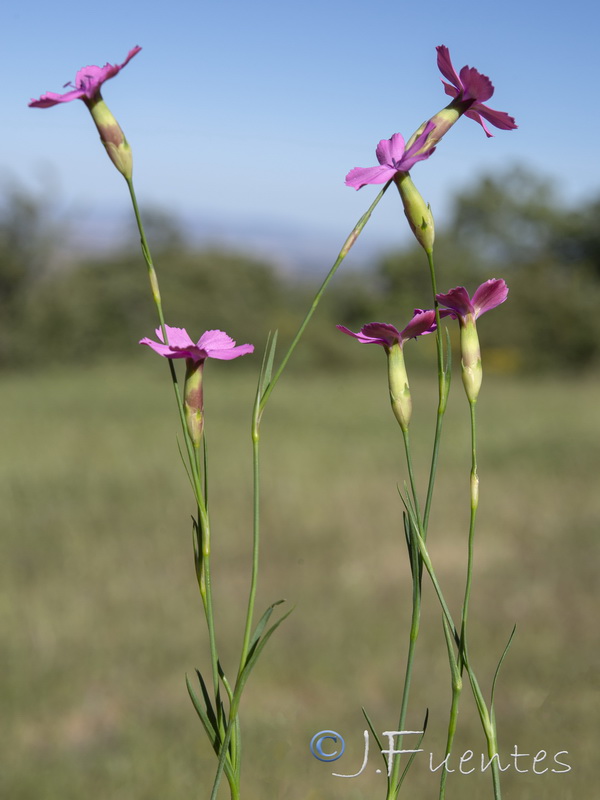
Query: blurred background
(244,121)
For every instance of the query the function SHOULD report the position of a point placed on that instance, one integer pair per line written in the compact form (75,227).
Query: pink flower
(393,157)
(489,295)
(392,341)
(471,88)
(212,344)
(386,335)
(88,82)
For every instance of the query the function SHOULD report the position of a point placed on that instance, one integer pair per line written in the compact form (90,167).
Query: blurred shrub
(511,225)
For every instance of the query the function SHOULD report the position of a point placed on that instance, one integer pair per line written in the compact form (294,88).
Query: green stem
(203,545)
(487,724)
(255,538)
(455,672)
(158,303)
(456,692)
(355,233)
(443,388)
(411,475)
(393,787)
(471,541)
(465,606)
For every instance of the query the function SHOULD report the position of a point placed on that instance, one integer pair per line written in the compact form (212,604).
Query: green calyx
(470,351)
(398,385)
(112,137)
(417,211)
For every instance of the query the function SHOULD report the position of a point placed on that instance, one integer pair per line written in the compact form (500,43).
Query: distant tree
(29,238)
(513,225)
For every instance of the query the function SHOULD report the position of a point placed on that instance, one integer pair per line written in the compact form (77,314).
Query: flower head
(88,83)
(392,340)
(393,157)
(471,88)
(212,344)
(489,295)
(386,335)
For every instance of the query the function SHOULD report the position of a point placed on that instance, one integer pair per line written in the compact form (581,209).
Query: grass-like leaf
(496,673)
(412,755)
(262,622)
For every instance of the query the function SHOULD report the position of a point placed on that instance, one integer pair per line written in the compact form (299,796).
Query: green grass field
(100,617)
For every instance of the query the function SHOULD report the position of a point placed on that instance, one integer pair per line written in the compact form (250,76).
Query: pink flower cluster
(468,88)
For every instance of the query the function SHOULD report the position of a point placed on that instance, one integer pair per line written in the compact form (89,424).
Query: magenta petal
(475,115)
(217,344)
(87,83)
(164,349)
(390,151)
(412,155)
(91,78)
(500,119)
(458,300)
(178,337)
(380,333)
(52,98)
(361,176)
(450,90)
(215,340)
(374,333)
(422,322)
(489,295)
(445,66)
(212,344)
(476,86)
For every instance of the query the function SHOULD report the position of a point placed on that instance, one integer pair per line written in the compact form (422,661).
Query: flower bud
(111,136)
(193,400)
(470,357)
(398,383)
(417,211)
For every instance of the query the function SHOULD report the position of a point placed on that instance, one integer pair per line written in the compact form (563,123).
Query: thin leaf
(204,717)
(205,464)
(375,736)
(207,701)
(412,756)
(262,622)
(502,657)
(448,360)
(271,346)
(184,462)
(456,677)
(255,653)
(224,679)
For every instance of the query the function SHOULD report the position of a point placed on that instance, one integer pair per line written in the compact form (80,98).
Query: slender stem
(255,540)
(484,715)
(456,677)
(158,303)
(443,388)
(411,475)
(355,233)
(203,545)
(456,692)
(147,257)
(473,514)
(233,711)
(393,787)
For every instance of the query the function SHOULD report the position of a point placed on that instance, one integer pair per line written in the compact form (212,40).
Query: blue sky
(255,111)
